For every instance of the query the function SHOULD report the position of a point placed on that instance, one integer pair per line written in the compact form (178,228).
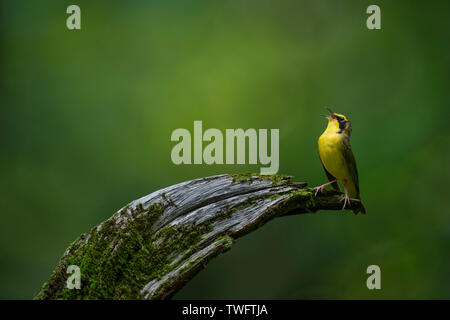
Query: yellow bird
(337,158)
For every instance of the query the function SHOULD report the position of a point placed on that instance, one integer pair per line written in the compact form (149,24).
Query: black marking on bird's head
(344,123)
(342,120)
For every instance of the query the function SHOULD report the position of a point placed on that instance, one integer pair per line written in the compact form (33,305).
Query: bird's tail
(353,192)
(360,209)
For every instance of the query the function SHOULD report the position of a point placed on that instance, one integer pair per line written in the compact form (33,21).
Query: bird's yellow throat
(333,126)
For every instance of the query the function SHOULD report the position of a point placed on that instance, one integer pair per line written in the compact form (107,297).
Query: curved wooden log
(150,248)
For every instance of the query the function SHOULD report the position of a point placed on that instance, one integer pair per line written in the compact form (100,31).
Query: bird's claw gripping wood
(346,200)
(322,187)
(150,248)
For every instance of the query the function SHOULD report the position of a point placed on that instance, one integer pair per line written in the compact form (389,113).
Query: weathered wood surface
(150,248)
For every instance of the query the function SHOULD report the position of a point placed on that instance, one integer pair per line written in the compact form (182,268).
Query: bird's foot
(320,188)
(346,200)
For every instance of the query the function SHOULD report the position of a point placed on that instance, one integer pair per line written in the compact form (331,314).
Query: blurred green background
(86,118)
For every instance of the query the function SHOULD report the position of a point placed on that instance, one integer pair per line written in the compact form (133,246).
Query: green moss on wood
(116,263)
(248,178)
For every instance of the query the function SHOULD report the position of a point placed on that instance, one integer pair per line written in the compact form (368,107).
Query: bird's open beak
(331,113)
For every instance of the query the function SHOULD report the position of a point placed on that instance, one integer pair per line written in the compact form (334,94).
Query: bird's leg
(320,188)
(346,199)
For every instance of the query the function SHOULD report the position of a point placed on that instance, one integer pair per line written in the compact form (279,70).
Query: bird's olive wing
(330,177)
(351,163)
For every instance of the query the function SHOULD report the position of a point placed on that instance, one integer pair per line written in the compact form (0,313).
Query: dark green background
(86,118)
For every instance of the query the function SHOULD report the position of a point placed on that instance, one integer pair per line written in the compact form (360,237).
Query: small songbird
(338,160)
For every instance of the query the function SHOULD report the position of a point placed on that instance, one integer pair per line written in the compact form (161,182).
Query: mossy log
(150,248)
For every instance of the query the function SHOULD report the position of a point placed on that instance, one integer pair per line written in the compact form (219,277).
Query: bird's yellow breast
(331,148)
